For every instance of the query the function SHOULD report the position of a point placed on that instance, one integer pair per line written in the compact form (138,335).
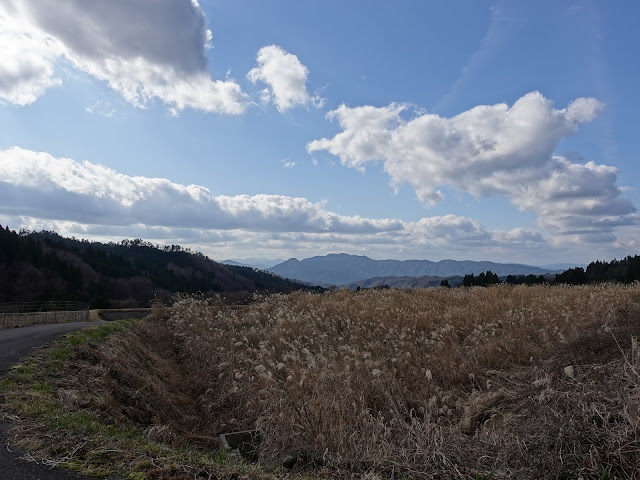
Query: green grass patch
(83,422)
(7,384)
(98,332)
(61,353)
(25,368)
(43,387)
(137,476)
(35,408)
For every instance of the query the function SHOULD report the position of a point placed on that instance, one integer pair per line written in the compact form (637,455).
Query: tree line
(626,270)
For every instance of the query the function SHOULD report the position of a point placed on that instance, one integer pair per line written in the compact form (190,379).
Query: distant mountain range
(261,263)
(563,266)
(344,269)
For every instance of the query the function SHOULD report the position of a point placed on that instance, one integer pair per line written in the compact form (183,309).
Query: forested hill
(626,270)
(46,266)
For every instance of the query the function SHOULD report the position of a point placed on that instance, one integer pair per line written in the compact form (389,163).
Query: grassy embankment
(65,413)
(524,382)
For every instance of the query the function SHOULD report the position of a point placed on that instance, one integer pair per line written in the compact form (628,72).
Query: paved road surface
(15,344)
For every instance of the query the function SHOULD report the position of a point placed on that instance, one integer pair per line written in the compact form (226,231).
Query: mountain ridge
(343,268)
(260,263)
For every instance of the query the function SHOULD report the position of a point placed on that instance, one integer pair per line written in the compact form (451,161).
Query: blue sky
(500,131)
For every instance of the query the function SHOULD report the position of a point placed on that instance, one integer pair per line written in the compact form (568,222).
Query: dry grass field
(500,382)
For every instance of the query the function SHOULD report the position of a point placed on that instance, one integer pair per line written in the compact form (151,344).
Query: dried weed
(502,382)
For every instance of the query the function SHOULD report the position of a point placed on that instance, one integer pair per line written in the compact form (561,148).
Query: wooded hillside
(46,266)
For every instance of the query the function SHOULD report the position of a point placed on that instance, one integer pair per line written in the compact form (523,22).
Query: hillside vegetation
(45,266)
(501,382)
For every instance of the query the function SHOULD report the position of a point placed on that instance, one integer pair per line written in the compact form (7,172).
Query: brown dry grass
(511,382)
(428,382)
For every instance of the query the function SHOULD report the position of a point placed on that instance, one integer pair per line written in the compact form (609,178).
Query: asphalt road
(15,344)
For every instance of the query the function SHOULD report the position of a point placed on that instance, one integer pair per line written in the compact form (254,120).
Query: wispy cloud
(101,109)
(286,163)
(503,23)
(586,19)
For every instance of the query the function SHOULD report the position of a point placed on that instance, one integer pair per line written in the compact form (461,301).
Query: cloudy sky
(484,130)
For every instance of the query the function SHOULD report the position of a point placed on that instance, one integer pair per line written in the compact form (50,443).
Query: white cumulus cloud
(285,77)
(27,59)
(143,51)
(38,190)
(489,150)
(41,185)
